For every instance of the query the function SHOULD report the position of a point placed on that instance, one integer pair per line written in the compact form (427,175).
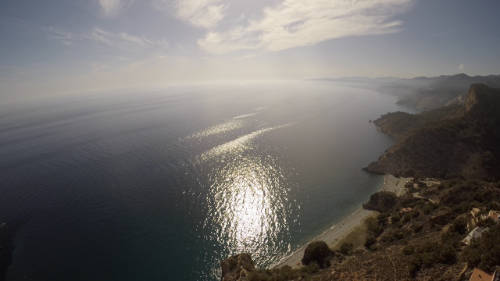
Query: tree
(317,252)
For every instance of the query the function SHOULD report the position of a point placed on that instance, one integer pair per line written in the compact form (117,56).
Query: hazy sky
(68,46)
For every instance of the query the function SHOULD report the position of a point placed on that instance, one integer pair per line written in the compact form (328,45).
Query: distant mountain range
(458,140)
(424,93)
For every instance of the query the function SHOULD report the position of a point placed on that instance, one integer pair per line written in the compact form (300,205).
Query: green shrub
(489,222)
(408,250)
(392,235)
(398,235)
(383,218)
(428,208)
(472,255)
(317,252)
(417,227)
(395,219)
(485,252)
(373,226)
(459,225)
(413,268)
(447,254)
(428,254)
(428,259)
(370,241)
(381,201)
(407,218)
(311,268)
(346,248)
(284,273)
(451,237)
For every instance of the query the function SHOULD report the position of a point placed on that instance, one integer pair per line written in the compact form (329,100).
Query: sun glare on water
(249,204)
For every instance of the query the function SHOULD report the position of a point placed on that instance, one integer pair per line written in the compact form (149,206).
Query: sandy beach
(339,230)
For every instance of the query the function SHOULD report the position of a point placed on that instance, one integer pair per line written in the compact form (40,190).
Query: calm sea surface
(162,185)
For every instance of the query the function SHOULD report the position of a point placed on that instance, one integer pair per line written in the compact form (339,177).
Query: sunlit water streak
(238,145)
(252,114)
(218,129)
(243,116)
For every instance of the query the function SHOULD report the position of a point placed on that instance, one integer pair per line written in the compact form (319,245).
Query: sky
(61,46)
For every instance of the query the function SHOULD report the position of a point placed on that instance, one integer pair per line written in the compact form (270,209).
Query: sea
(163,184)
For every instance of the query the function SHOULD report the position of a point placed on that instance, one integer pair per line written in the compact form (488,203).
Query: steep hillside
(445,143)
(418,237)
(400,124)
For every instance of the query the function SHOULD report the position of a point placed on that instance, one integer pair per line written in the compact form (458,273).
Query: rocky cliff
(456,141)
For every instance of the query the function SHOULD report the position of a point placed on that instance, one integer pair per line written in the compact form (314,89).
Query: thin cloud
(296,23)
(64,37)
(115,40)
(201,13)
(113,7)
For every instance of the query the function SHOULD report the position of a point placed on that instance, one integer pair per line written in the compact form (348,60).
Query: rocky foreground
(417,236)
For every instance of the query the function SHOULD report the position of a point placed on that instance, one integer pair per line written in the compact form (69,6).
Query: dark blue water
(162,185)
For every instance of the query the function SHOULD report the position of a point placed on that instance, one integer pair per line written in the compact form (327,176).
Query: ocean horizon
(164,184)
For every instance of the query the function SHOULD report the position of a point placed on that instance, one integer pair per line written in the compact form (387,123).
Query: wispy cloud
(64,37)
(124,40)
(296,23)
(200,13)
(113,7)
(461,67)
(116,40)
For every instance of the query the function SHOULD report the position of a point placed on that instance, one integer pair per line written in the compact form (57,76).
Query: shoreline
(346,225)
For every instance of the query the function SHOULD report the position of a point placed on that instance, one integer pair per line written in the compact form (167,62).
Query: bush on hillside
(485,252)
(381,201)
(317,252)
(346,248)
(428,254)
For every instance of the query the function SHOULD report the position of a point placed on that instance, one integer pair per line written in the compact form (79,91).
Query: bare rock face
(236,268)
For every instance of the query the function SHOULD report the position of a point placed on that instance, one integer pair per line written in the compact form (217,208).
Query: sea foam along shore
(347,225)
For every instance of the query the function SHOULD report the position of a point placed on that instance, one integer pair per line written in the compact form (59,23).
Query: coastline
(346,225)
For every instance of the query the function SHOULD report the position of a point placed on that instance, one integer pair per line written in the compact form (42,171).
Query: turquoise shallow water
(162,185)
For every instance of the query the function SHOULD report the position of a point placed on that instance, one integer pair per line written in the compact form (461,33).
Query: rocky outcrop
(5,250)
(237,268)
(447,143)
